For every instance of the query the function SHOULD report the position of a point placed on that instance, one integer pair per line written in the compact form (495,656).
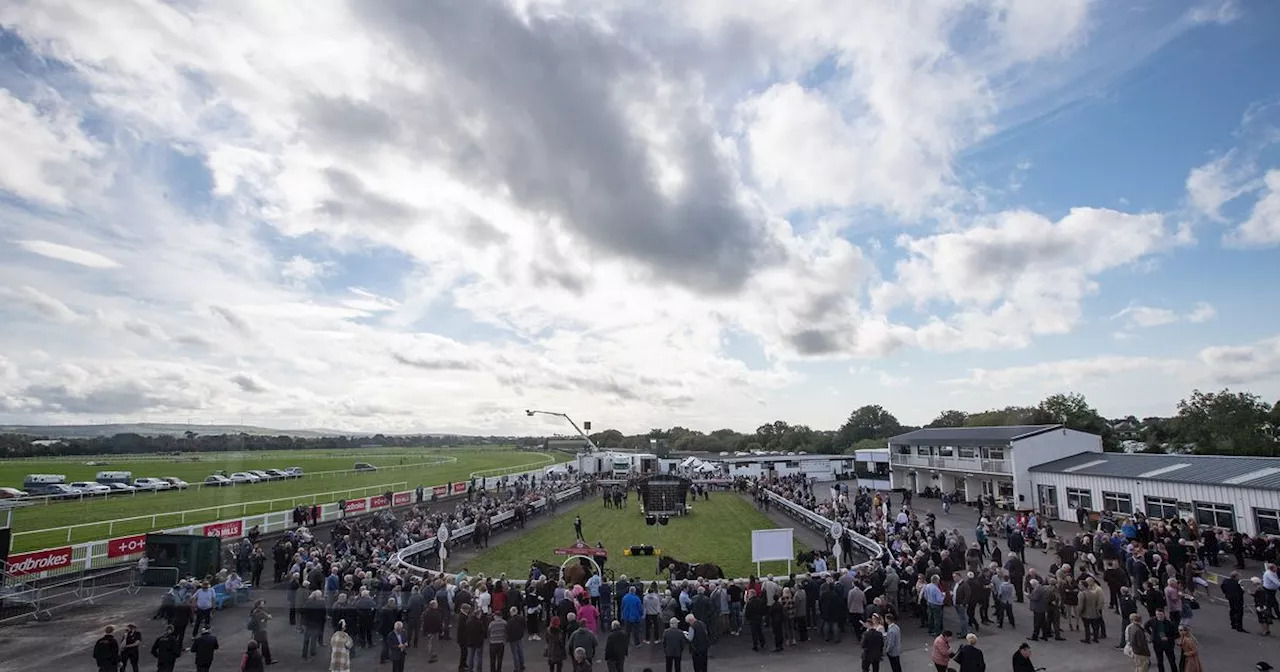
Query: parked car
(244,477)
(294,472)
(120,487)
(365,466)
(262,475)
(277,474)
(176,482)
(11,493)
(63,491)
(217,480)
(90,488)
(148,483)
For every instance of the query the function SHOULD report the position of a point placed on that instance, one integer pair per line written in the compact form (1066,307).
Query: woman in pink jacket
(589,615)
(941,654)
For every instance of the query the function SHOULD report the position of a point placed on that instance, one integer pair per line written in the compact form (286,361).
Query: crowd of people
(347,599)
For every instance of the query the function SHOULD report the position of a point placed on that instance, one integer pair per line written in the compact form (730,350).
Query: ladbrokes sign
(40,561)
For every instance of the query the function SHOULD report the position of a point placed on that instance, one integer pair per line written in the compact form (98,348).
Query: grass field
(401,468)
(719,531)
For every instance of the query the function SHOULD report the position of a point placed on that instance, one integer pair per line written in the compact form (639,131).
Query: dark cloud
(353,201)
(234,320)
(433,363)
(249,383)
(356,124)
(480,233)
(111,398)
(536,108)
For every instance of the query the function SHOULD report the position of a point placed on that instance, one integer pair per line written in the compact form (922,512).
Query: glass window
(1268,521)
(996,453)
(923,450)
(1215,515)
(946,451)
(1079,498)
(968,452)
(1006,489)
(1119,502)
(1162,508)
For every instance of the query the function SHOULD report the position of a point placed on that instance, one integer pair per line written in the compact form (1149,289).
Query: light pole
(594,447)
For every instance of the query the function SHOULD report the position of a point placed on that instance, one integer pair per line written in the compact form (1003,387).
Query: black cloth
(204,646)
(106,652)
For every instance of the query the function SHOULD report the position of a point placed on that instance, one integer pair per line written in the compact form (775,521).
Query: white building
(983,460)
(871,466)
(610,463)
(820,467)
(1236,493)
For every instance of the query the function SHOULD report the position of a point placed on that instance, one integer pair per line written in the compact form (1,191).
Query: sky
(384,215)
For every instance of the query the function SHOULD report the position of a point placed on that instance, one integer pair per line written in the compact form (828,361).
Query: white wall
(1043,448)
(1245,500)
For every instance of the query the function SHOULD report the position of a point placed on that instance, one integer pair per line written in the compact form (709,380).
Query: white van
(151,484)
(109,477)
(41,484)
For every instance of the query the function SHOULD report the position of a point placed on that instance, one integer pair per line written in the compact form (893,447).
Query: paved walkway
(66,644)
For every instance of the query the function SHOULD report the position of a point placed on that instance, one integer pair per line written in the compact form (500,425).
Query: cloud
(1262,228)
(301,270)
(1217,183)
(1142,317)
(39,303)
(1202,312)
(67,253)
(56,155)
(1242,364)
(250,382)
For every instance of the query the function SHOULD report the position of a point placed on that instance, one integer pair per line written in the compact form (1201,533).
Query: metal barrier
(39,602)
(869,546)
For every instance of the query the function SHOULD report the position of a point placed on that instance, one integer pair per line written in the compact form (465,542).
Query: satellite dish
(836,530)
(442,534)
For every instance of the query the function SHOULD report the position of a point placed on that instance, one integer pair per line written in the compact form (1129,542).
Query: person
(581,663)
(674,641)
(252,660)
(699,642)
(554,652)
(615,648)
(1022,659)
(940,655)
(496,634)
(1139,647)
(516,627)
(340,649)
(584,639)
(633,614)
(577,528)
(893,642)
(106,651)
(1260,606)
(755,614)
(258,617)
(397,642)
(203,602)
(873,648)
(129,647)
(1190,650)
(1162,634)
(1234,592)
(969,657)
(166,650)
(203,646)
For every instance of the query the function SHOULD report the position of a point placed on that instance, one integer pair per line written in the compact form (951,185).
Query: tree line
(22,445)
(1207,423)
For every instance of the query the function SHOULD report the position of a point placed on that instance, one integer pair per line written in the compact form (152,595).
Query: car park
(278,474)
(147,483)
(294,472)
(121,487)
(90,488)
(217,480)
(175,482)
(11,493)
(244,477)
(262,475)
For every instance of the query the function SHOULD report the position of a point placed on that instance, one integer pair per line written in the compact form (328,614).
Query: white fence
(104,553)
(869,546)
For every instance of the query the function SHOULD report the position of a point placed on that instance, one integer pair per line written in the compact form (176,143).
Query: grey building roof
(969,436)
(1241,472)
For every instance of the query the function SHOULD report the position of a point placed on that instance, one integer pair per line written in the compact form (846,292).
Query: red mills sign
(378,502)
(228,530)
(124,546)
(402,498)
(440,490)
(40,561)
(460,488)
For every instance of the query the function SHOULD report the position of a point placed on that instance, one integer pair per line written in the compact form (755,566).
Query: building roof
(1241,472)
(969,436)
(737,459)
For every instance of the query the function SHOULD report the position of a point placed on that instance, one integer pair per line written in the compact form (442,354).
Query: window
(968,452)
(1162,508)
(946,451)
(1215,515)
(1119,502)
(1079,498)
(1006,489)
(996,453)
(793,464)
(923,450)
(1268,521)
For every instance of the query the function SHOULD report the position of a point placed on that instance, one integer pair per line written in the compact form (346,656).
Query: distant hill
(161,429)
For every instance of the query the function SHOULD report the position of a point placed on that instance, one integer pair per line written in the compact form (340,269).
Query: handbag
(1128,650)
(1192,603)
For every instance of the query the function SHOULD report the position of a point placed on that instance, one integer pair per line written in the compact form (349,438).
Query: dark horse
(683,570)
(806,558)
(547,569)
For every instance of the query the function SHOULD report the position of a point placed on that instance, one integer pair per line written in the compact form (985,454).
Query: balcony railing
(952,463)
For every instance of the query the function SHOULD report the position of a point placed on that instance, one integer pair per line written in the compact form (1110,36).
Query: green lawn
(401,468)
(718,530)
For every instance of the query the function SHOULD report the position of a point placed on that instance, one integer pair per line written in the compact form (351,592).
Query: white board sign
(769,545)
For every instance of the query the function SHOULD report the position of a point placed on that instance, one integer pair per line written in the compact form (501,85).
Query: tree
(1226,423)
(865,444)
(1009,415)
(1074,412)
(609,438)
(867,422)
(949,419)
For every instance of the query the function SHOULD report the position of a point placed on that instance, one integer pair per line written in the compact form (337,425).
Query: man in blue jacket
(633,614)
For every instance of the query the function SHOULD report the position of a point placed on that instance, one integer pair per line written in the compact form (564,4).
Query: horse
(575,575)
(807,558)
(547,569)
(683,570)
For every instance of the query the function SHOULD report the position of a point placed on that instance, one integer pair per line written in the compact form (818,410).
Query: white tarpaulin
(769,545)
